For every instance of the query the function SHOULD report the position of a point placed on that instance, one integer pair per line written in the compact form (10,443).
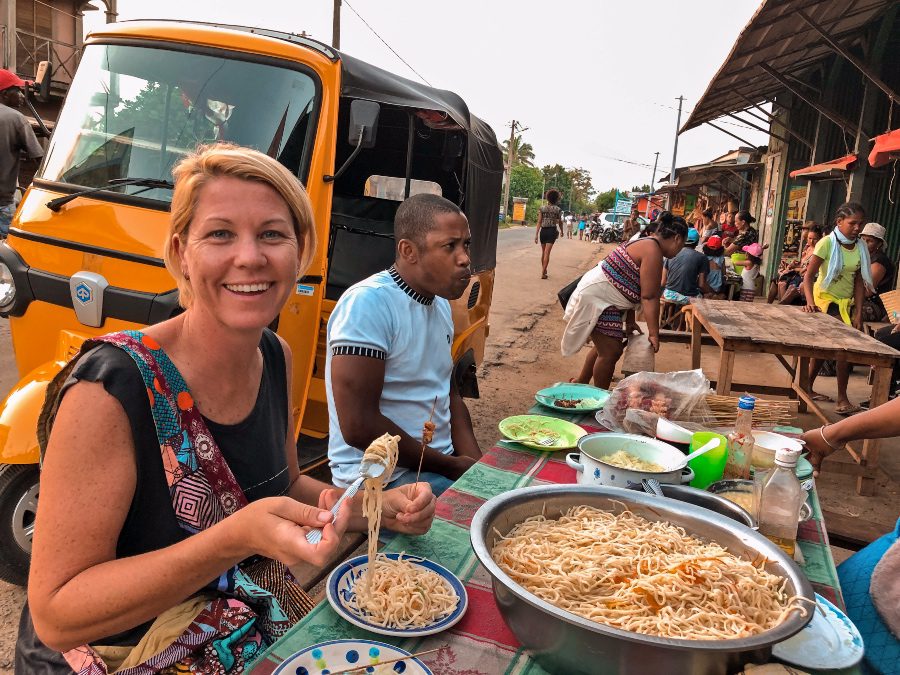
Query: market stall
(482,641)
(788,332)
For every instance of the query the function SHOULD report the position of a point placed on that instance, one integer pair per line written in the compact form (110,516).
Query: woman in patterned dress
(630,276)
(171,498)
(549,227)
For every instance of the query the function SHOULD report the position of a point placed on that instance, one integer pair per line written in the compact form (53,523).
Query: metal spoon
(366,470)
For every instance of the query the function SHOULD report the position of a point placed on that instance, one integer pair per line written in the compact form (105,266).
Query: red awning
(886,148)
(826,169)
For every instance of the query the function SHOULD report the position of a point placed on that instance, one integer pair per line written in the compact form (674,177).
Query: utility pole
(336,25)
(675,149)
(652,183)
(510,159)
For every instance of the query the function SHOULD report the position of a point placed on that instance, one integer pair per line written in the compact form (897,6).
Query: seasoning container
(780,497)
(741,441)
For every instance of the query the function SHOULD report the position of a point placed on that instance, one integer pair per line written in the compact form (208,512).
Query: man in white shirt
(388,357)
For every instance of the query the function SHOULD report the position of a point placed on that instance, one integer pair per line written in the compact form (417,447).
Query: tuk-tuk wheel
(19,484)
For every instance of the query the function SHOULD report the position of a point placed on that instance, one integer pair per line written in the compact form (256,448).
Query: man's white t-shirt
(382,317)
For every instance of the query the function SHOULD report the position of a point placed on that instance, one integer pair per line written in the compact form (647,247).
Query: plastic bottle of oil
(780,498)
(741,441)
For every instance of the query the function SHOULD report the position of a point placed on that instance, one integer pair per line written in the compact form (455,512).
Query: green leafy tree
(641,188)
(522,152)
(525,181)
(557,178)
(605,201)
(582,190)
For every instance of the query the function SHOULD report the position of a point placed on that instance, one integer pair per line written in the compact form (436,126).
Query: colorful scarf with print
(257,600)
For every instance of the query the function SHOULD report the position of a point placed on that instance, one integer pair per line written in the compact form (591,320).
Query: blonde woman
(171,500)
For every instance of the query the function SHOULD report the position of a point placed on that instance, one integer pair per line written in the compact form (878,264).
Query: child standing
(715,253)
(751,271)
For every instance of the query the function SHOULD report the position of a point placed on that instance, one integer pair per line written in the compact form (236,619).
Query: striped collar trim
(406,288)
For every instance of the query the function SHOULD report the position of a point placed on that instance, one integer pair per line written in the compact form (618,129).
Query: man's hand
(811,309)
(632,327)
(654,342)
(410,516)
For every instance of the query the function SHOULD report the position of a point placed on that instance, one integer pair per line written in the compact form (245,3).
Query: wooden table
(482,643)
(786,331)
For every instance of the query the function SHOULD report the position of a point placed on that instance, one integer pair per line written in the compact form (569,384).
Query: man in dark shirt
(684,276)
(16,139)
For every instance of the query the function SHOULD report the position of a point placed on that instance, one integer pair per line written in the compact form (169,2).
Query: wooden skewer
(361,669)
(412,490)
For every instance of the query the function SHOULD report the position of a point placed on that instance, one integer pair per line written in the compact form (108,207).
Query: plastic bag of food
(677,396)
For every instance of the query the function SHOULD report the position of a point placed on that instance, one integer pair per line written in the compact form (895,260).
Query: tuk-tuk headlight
(7,288)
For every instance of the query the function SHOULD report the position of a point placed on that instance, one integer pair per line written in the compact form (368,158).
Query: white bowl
(767,443)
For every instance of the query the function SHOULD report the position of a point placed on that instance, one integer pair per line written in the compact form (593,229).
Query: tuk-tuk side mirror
(42,81)
(364,120)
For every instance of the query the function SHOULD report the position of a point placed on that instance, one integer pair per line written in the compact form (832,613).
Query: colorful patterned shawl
(258,599)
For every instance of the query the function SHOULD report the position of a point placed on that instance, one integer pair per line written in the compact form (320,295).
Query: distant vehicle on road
(612,225)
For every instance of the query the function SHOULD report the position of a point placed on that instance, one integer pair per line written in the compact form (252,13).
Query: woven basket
(891,301)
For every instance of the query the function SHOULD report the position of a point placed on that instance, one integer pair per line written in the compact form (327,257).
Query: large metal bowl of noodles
(566,643)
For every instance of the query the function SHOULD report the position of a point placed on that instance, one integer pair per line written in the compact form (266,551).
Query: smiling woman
(185,431)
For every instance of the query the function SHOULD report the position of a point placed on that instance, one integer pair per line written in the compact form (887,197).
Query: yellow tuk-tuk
(83,257)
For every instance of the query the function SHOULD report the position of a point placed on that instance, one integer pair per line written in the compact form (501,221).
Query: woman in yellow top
(836,283)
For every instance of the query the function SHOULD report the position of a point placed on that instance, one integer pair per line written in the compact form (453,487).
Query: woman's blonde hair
(225,159)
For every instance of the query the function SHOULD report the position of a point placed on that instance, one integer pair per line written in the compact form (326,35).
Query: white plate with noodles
(440,605)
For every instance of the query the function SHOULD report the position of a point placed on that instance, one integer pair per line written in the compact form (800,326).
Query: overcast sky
(595,81)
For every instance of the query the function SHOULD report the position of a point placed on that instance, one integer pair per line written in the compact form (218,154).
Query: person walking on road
(16,139)
(549,228)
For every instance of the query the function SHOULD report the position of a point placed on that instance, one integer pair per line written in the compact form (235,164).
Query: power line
(386,44)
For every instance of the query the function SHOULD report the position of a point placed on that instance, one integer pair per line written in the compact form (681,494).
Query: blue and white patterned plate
(341,581)
(336,656)
(829,640)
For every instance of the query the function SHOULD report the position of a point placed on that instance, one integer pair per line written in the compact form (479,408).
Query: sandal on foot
(849,409)
(822,397)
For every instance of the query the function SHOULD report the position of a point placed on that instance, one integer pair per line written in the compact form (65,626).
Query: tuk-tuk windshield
(134,112)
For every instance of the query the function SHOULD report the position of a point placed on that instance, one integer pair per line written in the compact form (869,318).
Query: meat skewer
(427,435)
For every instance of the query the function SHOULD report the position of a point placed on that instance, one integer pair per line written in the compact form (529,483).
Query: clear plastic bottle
(780,498)
(741,441)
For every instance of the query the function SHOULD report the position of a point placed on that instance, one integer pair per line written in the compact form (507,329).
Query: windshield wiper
(149,183)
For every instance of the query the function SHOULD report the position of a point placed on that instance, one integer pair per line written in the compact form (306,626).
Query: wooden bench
(639,356)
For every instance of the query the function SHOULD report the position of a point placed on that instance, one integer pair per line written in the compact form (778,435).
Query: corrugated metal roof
(778,37)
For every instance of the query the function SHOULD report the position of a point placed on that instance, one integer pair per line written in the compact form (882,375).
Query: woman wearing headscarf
(837,277)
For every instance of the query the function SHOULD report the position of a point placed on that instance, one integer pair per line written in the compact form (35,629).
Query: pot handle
(687,474)
(573,462)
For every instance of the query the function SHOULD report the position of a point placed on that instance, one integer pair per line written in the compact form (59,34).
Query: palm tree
(522,153)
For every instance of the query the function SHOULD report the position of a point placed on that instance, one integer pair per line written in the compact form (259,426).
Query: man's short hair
(416,216)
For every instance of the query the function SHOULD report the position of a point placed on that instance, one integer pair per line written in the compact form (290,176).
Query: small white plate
(827,642)
(337,656)
(339,589)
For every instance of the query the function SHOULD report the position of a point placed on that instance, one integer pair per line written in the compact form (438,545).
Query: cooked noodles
(401,594)
(395,593)
(642,576)
(625,460)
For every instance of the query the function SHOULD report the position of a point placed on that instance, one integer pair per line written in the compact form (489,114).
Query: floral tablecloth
(481,644)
